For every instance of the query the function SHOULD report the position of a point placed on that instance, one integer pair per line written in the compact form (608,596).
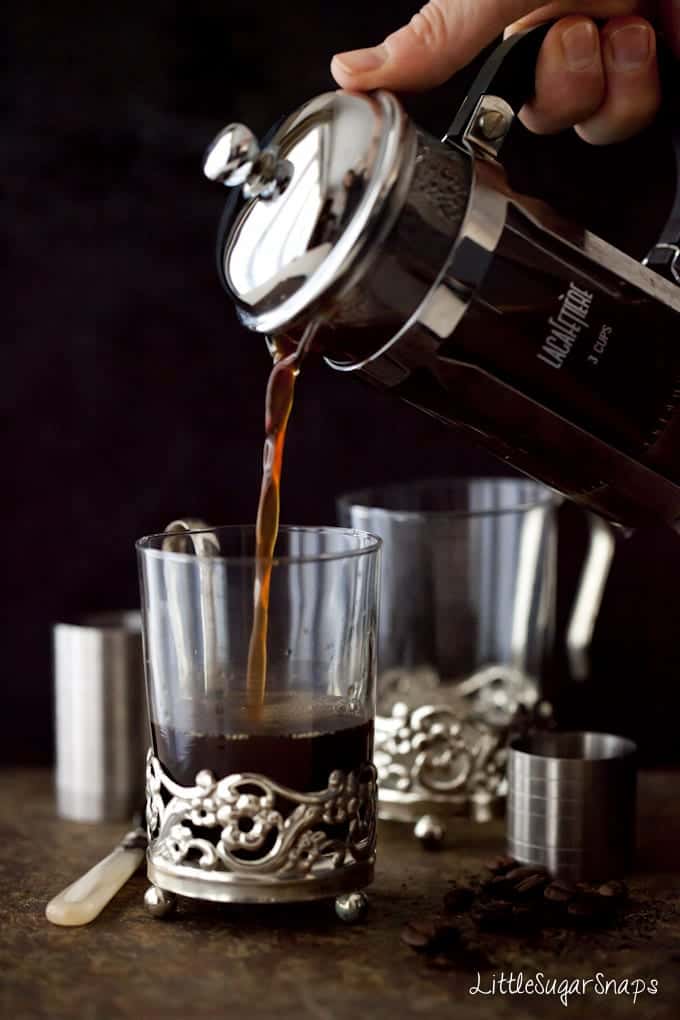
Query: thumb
(444,36)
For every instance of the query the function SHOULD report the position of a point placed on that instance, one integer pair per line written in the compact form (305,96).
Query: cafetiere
(429,276)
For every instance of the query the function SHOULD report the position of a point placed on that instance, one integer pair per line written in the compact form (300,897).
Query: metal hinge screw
(492,124)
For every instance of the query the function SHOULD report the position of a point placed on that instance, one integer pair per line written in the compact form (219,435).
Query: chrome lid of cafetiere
(316,200)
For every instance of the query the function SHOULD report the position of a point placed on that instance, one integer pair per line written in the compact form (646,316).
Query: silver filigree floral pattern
(445,744)
(432,751)
(246,824)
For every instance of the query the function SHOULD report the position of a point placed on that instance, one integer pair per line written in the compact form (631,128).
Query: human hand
(602,79)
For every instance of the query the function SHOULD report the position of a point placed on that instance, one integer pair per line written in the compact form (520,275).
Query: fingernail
(580,45)
(356,61)
(630,46)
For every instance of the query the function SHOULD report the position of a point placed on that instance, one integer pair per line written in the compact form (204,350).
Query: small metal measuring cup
(101,719)
(571,803)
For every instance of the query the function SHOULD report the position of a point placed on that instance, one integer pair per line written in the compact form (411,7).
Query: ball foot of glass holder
(430,831)
(159,903)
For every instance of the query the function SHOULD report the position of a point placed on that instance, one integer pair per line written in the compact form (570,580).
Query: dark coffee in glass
(295,743)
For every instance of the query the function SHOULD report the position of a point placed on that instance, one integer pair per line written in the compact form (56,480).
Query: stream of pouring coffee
(288,358)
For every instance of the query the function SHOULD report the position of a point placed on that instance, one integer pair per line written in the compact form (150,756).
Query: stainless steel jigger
(571,803)
(101,722)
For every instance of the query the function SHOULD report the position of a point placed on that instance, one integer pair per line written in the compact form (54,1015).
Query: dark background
(129,393)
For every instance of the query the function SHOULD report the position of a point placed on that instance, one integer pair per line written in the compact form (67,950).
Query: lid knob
(235,159)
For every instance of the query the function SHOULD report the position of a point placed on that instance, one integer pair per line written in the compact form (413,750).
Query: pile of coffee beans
(525,897)
(511,899)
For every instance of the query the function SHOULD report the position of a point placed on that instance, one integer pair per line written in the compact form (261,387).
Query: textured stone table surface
(214,962)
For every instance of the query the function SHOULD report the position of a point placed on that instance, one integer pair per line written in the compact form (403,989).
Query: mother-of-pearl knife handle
(85,898)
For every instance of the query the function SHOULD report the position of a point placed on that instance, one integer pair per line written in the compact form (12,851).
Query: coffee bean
(503,916)
(494,916)
(486,903)
(430,935)
(613,890)
(526,871)
(533,885)
(517,882)
(459,899)
(585,909)
(560,892)
(499,865)
(498,887)
(418,935)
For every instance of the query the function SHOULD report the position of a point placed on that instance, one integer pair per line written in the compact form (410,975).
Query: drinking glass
(259,794)
(467,620)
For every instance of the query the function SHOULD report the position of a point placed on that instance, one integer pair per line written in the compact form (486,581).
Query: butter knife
(84,899)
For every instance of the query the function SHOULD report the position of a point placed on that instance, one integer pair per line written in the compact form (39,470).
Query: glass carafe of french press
(431,277)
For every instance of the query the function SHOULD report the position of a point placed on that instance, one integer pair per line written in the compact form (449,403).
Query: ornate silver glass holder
(246,839)
(443,759)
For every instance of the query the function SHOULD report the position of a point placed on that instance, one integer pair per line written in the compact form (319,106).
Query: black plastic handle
(509,73)
(664,257)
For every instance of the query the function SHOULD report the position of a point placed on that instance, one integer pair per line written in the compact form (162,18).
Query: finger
(444,36)
(632,82)
(593,8)
(570,83)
